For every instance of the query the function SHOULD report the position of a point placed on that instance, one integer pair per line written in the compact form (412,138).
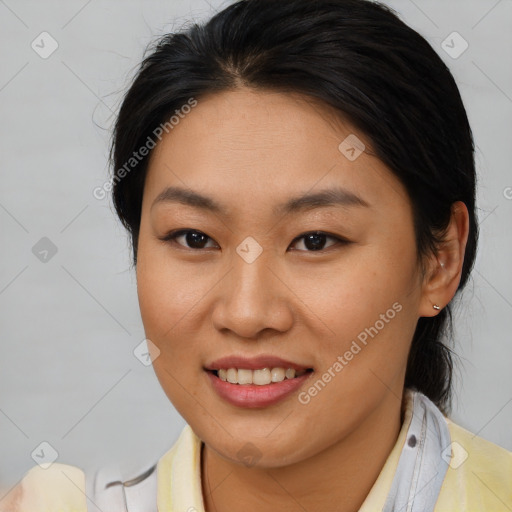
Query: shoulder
(66,488)
(479,473)
(478,444)
(59,487)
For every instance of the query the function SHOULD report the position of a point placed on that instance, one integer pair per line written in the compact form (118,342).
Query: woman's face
(245,281)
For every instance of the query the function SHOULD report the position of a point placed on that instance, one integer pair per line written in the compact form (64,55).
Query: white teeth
(278,374)
(245,377)
(260,377)
(232,376)
(290,373)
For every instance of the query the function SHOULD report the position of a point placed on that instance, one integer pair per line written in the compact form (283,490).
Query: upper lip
(253,363)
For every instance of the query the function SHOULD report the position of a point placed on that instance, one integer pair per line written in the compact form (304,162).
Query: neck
(338,478)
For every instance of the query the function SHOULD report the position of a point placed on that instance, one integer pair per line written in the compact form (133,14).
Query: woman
(298,181)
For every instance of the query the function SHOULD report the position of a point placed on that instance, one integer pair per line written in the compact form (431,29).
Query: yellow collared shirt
(479,478)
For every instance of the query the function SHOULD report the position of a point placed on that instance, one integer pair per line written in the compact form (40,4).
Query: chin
(259,452)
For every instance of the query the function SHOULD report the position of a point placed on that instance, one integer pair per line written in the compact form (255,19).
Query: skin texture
(251,150)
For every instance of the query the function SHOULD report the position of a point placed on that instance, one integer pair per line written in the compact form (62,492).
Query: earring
(436,307)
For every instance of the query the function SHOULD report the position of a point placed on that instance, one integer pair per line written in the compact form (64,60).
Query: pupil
(195,239)
(314,241)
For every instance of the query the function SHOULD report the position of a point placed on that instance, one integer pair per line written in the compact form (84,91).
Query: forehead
(250,145)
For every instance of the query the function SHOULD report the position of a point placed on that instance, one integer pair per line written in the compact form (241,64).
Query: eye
(195,239)
(315,240)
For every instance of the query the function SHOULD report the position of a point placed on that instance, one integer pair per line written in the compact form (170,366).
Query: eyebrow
(336,196)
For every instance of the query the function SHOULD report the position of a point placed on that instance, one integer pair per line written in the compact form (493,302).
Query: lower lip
(252,395)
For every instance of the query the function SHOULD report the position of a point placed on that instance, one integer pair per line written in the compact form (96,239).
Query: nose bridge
(251,262)
(250,281)
(251,297)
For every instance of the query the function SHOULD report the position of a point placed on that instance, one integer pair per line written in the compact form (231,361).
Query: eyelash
(173,235)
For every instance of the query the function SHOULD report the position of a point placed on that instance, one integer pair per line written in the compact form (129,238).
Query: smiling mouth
(260,377)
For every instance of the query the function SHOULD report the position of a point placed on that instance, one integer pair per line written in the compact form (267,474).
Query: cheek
(166,301)
(155,298)
(368,312)
(164,288)
(352,293)
(173,299)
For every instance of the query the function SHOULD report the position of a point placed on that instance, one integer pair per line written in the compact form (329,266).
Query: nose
(252,298)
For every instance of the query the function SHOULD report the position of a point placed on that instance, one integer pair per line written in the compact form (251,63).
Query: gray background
(69,325)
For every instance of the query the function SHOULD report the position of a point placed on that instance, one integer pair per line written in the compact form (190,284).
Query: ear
(444,268)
